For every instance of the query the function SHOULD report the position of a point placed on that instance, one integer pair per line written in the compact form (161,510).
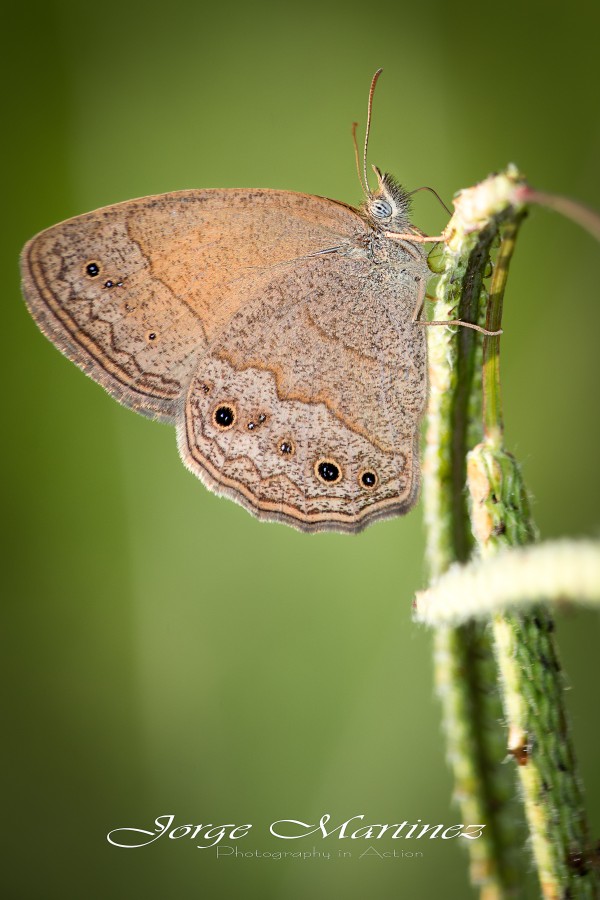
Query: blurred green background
(164,652)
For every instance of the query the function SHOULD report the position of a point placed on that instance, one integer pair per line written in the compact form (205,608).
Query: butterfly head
(388,207)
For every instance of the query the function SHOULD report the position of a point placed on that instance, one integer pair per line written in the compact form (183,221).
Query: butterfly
(276,330)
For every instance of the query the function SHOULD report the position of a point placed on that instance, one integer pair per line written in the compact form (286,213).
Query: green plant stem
(493,425)
(530,676)
(465,672)
(527,657)
(533,692)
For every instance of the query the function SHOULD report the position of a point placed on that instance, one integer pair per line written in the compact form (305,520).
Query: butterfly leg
(464,325)
(416,237)
(419,306)
(420,301)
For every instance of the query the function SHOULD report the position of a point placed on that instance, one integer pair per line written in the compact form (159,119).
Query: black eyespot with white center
(381,209)
(152,337)
(328,471)
(257,421)
(368,479)
(224,416)
(92,269)
(287,447)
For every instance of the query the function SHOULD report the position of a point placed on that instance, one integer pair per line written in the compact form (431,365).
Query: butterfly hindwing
(306,409)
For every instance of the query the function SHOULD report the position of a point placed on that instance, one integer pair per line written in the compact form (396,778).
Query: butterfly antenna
(357,160)
(435,194)
(369,109)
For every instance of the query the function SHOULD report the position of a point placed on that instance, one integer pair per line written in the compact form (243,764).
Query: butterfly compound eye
(381,209)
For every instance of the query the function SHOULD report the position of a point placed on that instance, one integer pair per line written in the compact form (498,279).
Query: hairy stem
(530,675)
(557,572)
(465,671)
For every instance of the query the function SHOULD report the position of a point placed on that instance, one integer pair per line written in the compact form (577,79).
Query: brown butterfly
(275,330)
